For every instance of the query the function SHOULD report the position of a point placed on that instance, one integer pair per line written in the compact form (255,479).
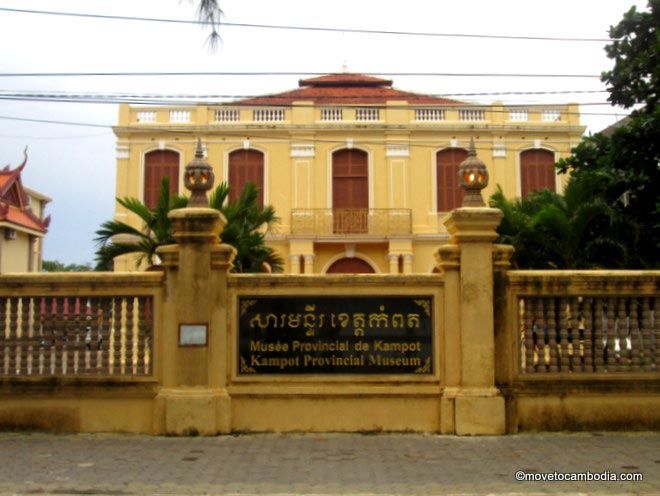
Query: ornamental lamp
(198,178)
(472,178)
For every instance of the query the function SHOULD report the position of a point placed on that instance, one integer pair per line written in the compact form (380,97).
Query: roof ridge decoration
(345,79)
(19,215)
(345,89)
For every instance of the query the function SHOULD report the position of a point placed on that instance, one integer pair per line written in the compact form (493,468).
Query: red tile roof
(348,89)
(13,200)
(22,218)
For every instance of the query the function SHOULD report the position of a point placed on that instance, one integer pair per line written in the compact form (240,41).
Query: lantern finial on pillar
(472,177)
(198,178)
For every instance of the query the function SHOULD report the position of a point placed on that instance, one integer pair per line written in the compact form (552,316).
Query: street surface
(324,464)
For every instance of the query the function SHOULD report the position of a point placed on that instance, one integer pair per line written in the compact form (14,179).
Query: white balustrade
(429,114)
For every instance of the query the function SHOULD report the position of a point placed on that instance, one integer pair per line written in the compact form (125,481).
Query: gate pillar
(470,396)
(471,404)
(194,370)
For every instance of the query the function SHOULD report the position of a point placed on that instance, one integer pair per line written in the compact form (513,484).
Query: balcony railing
(343,221)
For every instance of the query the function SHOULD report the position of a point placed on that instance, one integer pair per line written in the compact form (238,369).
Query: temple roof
(348,88)
(14,207)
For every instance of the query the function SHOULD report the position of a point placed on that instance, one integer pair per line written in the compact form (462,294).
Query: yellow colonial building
(360,173)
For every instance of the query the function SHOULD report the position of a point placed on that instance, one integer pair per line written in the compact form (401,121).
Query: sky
(75,165)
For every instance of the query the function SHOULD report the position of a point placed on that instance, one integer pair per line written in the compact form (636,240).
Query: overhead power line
(286,73)
(110,99)
(312,28)
(189,96)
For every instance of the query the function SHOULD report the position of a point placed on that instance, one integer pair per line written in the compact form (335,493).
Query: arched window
(246,166)
(450,195)
(350,266)
(537,171)
(350,191)
(158,165)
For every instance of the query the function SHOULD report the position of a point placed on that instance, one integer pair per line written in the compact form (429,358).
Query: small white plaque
(192,334)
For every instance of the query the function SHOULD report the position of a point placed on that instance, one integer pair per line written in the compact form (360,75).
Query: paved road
(322,464)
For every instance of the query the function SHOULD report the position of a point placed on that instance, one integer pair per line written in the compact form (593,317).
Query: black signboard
(335,335)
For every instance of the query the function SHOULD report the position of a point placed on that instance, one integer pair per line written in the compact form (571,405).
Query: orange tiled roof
(345,88)
(15,213)
(4,179)
(22,218)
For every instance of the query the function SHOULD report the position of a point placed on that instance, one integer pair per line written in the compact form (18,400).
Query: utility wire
(189,96)
(286,73)
(193,103)
(311,28)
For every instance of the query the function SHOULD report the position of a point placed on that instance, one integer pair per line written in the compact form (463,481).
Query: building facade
(23,224)
(360,173)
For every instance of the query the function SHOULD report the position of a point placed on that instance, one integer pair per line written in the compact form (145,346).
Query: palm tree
(246,226)
(157,230)
(209,13)
(578,229)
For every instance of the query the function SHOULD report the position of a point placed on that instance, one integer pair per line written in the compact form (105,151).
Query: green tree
(245,229)
(629,156)
(57,266)
(576,230)
(156,231)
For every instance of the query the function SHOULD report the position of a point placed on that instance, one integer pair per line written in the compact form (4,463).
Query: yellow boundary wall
(480,384)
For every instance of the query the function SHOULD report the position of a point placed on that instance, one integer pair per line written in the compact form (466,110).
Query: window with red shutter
(246,166)
(350,191)
(450,195)
(537,171)
(157,165)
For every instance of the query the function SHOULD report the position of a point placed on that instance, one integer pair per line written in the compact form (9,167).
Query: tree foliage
(57,266)
(635,49)
(609,214)
(245,230)
(629,156)
(576,230)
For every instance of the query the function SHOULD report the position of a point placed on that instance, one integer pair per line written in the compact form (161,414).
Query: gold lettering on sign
(413,320)
(384,361)
(358,324)
(379,318)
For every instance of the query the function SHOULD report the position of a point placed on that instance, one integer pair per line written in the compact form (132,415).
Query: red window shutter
(350,191)
(449,194)
(537,171)
(350,179)
(246,166)
(158,165)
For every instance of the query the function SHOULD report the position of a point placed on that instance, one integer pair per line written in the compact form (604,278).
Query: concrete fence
(193,349)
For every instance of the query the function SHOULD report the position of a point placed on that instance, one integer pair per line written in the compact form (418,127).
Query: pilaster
(471,401)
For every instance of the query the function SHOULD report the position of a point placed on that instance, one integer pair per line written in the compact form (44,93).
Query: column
(478,405)
(394,263)
(294,263)
(408,263)
(309,263)
(194,363)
